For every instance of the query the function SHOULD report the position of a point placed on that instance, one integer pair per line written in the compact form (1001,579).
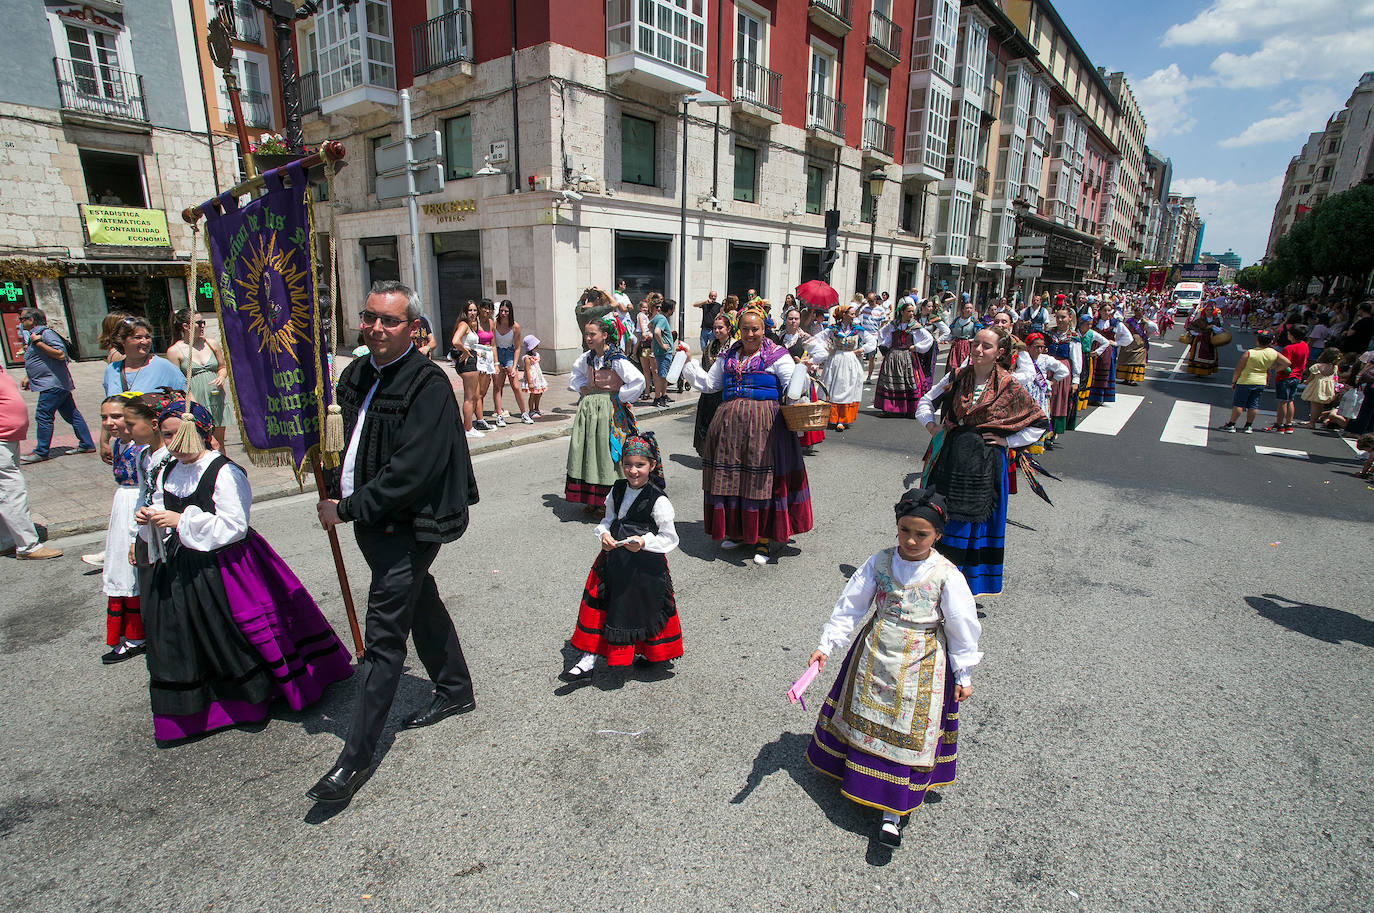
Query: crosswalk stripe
(1280,452)
(1110,418)
(1352,444)
(1188,424)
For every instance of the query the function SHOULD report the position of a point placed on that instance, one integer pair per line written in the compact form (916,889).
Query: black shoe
(338,785)
(575,676)
(439,709)
(118,656)
(889,838)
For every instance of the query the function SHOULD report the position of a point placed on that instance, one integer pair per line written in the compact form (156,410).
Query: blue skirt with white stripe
(978,548)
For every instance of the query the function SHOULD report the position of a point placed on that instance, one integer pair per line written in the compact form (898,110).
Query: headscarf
(613,350)
(204,421)
(926,503)
(645,444)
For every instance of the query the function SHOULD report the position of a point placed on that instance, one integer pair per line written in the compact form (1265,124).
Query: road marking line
(1110,418)
(1240,348)
(1178,365)
(1352,445)
(1188,424)
(1280,452)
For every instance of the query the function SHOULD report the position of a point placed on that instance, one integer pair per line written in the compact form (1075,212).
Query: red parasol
(817,293)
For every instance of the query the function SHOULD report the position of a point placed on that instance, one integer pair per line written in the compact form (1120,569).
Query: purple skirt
(874,781)
(234,630)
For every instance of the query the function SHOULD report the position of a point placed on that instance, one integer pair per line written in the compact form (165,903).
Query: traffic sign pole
(413,211)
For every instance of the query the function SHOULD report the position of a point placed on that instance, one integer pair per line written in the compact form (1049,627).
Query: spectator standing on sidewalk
(1249,379)
(45,364)
(17,533)
(663,346)
(1286,379)
(710,307)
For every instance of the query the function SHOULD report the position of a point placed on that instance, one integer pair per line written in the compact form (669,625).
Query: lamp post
(710,99)
(876,179)
(1021,206)
(1110,251)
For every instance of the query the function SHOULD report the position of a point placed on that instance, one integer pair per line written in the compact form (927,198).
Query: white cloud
(1237,215)
(1293,117)
(1296,57)
(1230,21)
(1163,99)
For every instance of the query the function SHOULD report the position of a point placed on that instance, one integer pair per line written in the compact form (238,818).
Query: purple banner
(273,339)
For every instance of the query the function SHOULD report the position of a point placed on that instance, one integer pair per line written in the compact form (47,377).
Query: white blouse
(925,413)
(197,529)
(921,338)
(958,611)
(664,542)
(713,381)
(867,345)
(631,380)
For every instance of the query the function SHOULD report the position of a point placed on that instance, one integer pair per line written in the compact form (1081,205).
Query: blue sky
(1230,90)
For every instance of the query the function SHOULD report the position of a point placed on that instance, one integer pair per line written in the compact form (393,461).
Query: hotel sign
(125,226)
(450,210)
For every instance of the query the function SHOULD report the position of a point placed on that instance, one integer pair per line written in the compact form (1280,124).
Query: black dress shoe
(119,656)
(889,838)
(439,709)
(338,785)
(575,676)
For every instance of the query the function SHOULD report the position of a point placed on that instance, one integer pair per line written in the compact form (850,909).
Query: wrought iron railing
(248,22)
(825,113)
(442,41)
(257,108)
(884,33)
(837,8)
(980,180)
(757,85)
(992,101)
(879,136)
(94,88)
(310,92)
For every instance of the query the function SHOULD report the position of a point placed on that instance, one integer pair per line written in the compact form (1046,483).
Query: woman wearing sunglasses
(208,370)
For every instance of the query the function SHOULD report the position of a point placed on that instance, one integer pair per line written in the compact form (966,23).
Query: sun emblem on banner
(274,297)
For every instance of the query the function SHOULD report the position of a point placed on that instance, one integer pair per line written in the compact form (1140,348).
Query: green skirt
(591,470)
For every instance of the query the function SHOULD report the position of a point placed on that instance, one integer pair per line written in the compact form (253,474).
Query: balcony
(354,94)
(756,92)
(884,46)
(977,247)
(879,138)
(992,104)
(980,181)
(656,44)
(825,118)
(99,92)
(442,50)
(248,23)
(310,92)
(257,109)
(831,15)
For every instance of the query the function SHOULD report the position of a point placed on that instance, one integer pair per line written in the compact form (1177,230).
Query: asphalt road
(1173,713)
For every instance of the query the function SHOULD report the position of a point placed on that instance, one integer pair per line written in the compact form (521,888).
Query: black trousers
(403,601)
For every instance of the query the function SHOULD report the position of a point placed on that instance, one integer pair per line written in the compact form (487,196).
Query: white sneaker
(730,543)
(475,433)
(95,560)
(500,421)
(525,417)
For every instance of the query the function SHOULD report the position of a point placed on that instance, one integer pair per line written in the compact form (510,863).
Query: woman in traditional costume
(880,733)
(1130,363)
(1202,355)
(1037,372)
(901,382)
(961,332)
(608,383)
(928,316)
(722,334)
(1093,345)
(1113,329)
(628,610)
(229,626)
(753,478)
(842,370)
(803,347)
(984,412)
(1064,346)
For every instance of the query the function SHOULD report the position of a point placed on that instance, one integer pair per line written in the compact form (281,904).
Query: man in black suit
(405,484)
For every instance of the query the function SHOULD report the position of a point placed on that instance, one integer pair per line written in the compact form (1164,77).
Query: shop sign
(125,226)
(449,210)
(1199,272)
(13,299)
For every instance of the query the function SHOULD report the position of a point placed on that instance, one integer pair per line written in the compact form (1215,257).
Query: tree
(1333,241)
(1251,278)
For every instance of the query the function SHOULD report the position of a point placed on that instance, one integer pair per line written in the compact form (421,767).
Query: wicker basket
(1221,339)
(806,415)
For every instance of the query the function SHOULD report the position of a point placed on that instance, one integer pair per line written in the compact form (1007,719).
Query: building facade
(1159,173)
(1183,230)
(1332,160)
(105,144)
(1127,228)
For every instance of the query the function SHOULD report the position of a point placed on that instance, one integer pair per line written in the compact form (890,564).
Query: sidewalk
(70,493)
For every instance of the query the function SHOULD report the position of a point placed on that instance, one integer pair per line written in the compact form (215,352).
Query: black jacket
(412,467)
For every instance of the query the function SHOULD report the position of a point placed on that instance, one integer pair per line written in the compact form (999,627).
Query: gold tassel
(333,429)
(187,439)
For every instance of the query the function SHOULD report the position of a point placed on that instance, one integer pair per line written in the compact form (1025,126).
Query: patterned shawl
(1004,408)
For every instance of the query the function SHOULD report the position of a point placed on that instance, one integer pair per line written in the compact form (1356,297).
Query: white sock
(585,663)
(893,819)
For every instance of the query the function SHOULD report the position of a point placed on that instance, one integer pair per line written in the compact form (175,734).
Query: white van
(1187,295)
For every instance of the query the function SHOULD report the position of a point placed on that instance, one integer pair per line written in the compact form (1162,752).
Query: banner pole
(338,562)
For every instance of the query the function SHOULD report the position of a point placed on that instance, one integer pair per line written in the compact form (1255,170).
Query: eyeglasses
(367,318)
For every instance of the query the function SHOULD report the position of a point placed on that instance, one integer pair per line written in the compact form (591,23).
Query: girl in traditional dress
(722,334)
(1202,355)
(1131,361)
(1064,346)
(880,732)
(628,610)
(119,579)
(961,336)
(842,370)
(1111,328)
(1093,345)
(1038,372)
(753,478)
(803,347)
(208,369)
(229,626)
(985,412)
(607,383)
(901,382)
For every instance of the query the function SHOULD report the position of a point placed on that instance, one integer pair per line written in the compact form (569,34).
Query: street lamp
(876,179)
(1110,251)
(1021,206)
(711,100)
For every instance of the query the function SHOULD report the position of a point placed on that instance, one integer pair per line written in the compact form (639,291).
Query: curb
(70,528)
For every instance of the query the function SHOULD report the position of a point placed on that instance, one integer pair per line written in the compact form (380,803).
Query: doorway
(908,272)
(810,264)
(642,261)
(747,270)
(458,267)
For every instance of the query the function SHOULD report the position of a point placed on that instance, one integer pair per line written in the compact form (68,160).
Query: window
(746,174)
(751,54)
(638,151)
(1325,174)
(815,189)
(674,31)
(875,100)
(821,65)
(458,147)
(913,211)
(354,46)
(866,204)
(373,144)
